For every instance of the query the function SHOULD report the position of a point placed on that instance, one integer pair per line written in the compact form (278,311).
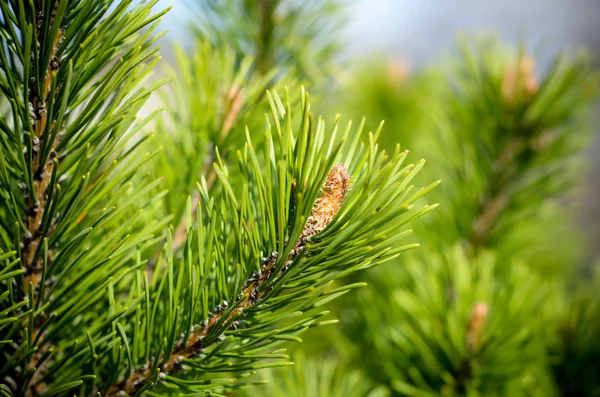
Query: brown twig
(497,200)
(484,223)
(42,169)
(519,87)
(36,204)
(324,209)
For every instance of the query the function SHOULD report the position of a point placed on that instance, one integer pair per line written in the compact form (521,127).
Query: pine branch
(224,306)
(506,141)
(265,11)
(519,87)
(38,103)
(323,212)
(73,111)
(301,38)
(42,170)
(497,196)
(514,142)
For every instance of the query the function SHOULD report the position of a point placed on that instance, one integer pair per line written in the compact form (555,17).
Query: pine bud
(478,316)
(329,203)
(520,85)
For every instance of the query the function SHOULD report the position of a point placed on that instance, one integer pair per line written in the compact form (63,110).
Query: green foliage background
(167,255)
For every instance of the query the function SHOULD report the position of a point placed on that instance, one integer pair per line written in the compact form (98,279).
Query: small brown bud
(397,71)
(329,203)
(520,84)
(478,316)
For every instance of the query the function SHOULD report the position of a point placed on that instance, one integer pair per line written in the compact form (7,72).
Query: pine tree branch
(497,198)
(43,170)
(324,210)
(518,154)
(510,142)
(519,87)
(282,34)
(38,104)
(62,102)
(265,10)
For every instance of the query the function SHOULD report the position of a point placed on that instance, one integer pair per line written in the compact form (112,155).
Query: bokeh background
(419,33)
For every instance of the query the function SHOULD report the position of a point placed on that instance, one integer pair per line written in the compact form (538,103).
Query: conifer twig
(36,205)
(324,210)
(519,86)
(42,170)
(266,9)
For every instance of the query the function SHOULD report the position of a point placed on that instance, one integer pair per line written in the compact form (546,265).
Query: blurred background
(422,31)
(417,33)
(503,296)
